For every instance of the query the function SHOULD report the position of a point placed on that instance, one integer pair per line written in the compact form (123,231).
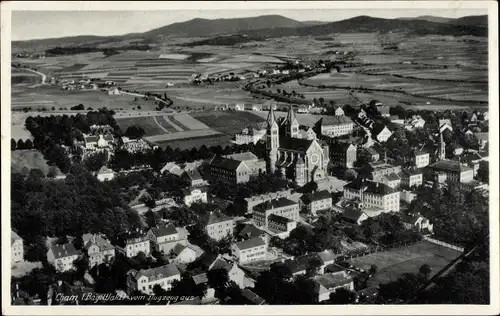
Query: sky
(52,24)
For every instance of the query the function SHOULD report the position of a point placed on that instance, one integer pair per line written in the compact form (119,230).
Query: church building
(299,159)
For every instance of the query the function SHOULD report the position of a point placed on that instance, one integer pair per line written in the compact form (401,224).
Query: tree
(483,173)
(28,144)
(37,250)
(134,132)
(342,296)
(96,161)
(20,144)
(425,270)
(217,278)
(373,269)
(313,266)
(13,144)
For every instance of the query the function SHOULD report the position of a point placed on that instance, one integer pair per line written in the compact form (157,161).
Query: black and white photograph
(237,154)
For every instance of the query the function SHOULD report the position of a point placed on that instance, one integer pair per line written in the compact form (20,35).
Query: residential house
(327,258)
(303,109)
(339,111)
(343,154)
(445,124)
(317,201)
(354,215)
(396,120)
(210,261)
(136,244)
(63,256)
(373,194)
(249,250)
(249,231)
(448,170)
(252,201)
(105,174)
(392,180)
(165,237)
(219,225)
(280,206)
(416,221)
(145,280)
(422,159)
(300,264)
(194,195)
(280,226)
(172,168)
(374,155)
(230,170)
(99,249)
(192,178)
(331,282)
(113,91)
(183,254)
(380,132)
(16,248)
(381,168)
(411,177)
(416,121)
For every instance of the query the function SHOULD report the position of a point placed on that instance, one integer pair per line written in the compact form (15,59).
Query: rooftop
(327,255)
(352,214)
(66,250)
(370,187)
(273,203)
(164,230)
(279,219)
(252,297)
(246,156)
(250,231)
(225,163)
(392,177)
(14,236)
(217,217)
(449,165)
(333,280)
(97,239)
(158,273)
(250,243)
(193,175)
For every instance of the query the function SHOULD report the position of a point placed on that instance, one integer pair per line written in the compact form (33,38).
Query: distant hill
(370,24)
(430,18)
(204,27)
(224,40)
(481,20)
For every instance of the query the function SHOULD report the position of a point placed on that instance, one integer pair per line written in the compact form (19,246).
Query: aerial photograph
(256,157)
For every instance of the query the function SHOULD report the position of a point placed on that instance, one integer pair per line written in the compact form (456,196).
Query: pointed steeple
(271,119)
(291,115)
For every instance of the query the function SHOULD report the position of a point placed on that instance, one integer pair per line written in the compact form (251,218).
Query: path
(169,121)
(155,118)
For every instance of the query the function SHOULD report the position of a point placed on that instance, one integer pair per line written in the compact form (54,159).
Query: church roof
(295,144)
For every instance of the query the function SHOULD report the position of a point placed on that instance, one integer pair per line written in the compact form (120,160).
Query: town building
(210,261)
(229,170)
(330,282)
(327,258)
(417,221)
(373,194)
(392,180)
(300,160)
(416,121)
(63,256)
(381,168)
(422,159)
(145,280)
(249,135)
(165,237)
(16,248)
(411,177)
(354,215)
(380,132)
(448,170)
(254,164)
(137,145)
(280,226)
(339,111)
(317,201)
(338,125)
(374,155)
(249,250)
(194,195)
(105,174)
(252,201)
(183,254)
(219,225)
(482,139)
(192,178)
(343,154)
(281,206)
(134,245)
(99,249)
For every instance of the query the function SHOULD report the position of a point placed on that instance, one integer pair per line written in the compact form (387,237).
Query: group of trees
(74,50)
(79,204)
(20,144)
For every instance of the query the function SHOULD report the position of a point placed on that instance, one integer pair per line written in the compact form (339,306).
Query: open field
(228,123)
(391,264)
(20,132)
(30,159)
(149,124)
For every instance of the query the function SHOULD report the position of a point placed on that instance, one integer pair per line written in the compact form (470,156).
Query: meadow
(391,264)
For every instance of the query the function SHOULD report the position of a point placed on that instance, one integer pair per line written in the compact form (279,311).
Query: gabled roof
(66,250)
(327,256)
(178,249)
(320,195)
(449,165)
(225,163)
(409,172)
(370,187)
(158,273)
(246,156)
(105,170)
(217,217)
(200,278)
(352,214)
(252,297)
(193,175)
(279,219)
(96,239)
(250,243)
(164,230)
(377,128)
(300,263)
(420,153)
(333,280)
(251,231)
(91,139)
(482,136)
(336,120)
(273,203)
(392,177)
(14,236)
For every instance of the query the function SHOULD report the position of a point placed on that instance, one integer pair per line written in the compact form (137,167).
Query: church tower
(300,172)
(292,125)
(442,149)
(272,141)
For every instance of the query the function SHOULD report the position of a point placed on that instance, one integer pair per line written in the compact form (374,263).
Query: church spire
(442,149)
(271,119)
(291,115)
(292,125)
